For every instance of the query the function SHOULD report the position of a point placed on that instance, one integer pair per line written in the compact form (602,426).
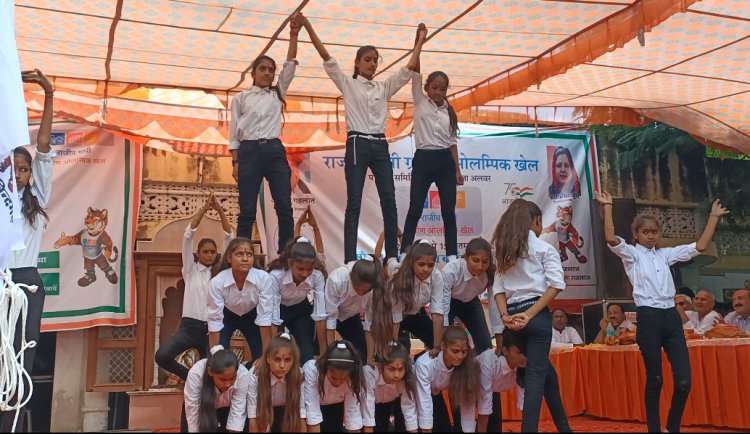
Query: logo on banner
(522,192)
(57,139)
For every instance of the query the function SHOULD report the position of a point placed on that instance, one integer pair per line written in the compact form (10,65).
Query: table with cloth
(609,382)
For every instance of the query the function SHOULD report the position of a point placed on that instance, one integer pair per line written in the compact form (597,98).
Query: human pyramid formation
(302,377)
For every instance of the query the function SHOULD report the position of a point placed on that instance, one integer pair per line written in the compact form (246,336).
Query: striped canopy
(683,62)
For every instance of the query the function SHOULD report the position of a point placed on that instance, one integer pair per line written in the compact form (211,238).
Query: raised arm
(225,225)
(605,200)
(295,24)
(316,231)
(314,37)
(421,37)
(708,233)
(44,135)
(202,211)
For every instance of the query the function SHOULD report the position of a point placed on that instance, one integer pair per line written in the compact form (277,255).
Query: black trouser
(472,315)
(361,154)
(245,324)
(495,421)
(420,325)
(28,276)
(258,160)
(657,329)
(278,418)
(441,418)
(430,166)
(222,416)
(383,413)
(192,333)
(333,417)
(351,330)
(539,378)
(297,319)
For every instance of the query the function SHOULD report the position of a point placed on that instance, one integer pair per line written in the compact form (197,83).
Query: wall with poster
(556,170)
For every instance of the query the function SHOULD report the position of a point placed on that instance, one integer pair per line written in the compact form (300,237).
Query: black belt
(522,305)
(260,141)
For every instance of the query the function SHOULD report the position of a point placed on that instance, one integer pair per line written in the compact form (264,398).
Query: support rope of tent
(13,377)
(108,60)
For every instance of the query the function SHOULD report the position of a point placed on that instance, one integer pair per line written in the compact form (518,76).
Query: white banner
(85,260)
(499,165)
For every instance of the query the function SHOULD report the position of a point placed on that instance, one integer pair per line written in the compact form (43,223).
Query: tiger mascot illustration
(567,235)
(97,245)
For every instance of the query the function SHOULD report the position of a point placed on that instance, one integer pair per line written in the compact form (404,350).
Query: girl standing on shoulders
(240,298)
(274,393)
(366,104)
(529,275)
(257,152)
(390,383)
(216,393)
(659,323)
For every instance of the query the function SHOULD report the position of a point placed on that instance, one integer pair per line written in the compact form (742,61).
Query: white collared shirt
(648,271)
(738,321)
(533,275)
(257,292)
(365,101)
(432,124)
(197,277)
(494,376)
(235,397)
(41,187)
(625,325)
(703,325)
(278,394)
(288,293)
(342,302)
(256,113)
(331,395)
(377,391)
(432,378)
(425,291)
(569,335)
(463,286)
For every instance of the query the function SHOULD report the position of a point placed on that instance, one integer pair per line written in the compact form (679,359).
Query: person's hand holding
(604,198)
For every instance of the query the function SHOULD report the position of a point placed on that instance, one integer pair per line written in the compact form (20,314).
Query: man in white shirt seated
(704,318)
(740,317)
(561,333)
(616,317)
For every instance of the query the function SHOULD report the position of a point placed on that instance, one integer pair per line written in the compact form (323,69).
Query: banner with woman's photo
(556,170)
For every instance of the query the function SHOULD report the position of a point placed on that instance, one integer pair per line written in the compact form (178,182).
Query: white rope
(13,377)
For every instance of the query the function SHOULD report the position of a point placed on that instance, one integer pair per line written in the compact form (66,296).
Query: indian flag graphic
(521,192)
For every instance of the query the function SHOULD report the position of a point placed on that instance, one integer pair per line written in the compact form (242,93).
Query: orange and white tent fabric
(682,62)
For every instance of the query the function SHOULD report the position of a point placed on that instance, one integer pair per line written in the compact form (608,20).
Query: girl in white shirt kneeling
(390,383)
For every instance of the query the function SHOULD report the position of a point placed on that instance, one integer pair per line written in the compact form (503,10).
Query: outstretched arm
(316,231)
(605,200)
(314,38)
(202,211)
(708,233)
(421,37)
(44,135)
(295,24)
(225,225)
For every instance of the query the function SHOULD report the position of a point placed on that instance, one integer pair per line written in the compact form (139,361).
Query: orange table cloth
(615,380)
(571,378)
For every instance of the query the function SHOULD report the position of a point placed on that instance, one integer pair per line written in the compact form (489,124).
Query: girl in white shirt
(274,393)
(530,275)
(257,152)
(216,393)
(350,290)
(298,273)
(414,283)
(455,369)
(333,386)
(34,197)
(240,298)
(390,383)
(196,273)
(436,157)
(366,104)
(659,323)
(465,280)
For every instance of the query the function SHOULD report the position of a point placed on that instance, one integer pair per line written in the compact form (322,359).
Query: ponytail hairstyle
(369,271)
(218,362)
(511,237)
(397,351)
(637,223)
(202,243)
(464,380)
(231,248)
(361,52)
(451,113)
(477,245)
(298,249)
(402,283)
(275,88)
(341,356)
(293,382)
(30,206)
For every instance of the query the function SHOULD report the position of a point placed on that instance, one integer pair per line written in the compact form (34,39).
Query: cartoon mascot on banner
(97,245)
(567,235)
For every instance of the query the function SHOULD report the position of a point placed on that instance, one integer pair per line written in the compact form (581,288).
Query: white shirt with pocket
(432,124)
(569,335)
(429,291)
(257,292)
(377,391)
(494,376)
(342,302)
(197,277)
(432,378)
(278,394)
(332,395)
(288,293)
(235,397)
(463,286)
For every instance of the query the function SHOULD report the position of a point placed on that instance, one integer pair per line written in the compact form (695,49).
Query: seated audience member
(687,292)
(616,317)
(561,333)
(684,304)
(740,317)
(704,317)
